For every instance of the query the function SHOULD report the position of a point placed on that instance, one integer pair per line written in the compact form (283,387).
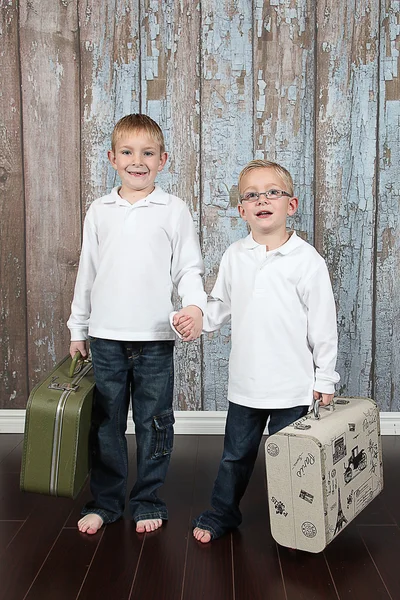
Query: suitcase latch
(64,387)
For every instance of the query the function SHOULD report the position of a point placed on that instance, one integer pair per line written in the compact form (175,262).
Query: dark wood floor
(44,557)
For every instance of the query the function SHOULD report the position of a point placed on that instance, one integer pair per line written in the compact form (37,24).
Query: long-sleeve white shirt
(132,256)
(283,320)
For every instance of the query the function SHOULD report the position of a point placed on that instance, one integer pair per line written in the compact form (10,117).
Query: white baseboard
(210,422)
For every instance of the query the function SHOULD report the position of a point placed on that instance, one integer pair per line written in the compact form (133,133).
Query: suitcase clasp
(64,387)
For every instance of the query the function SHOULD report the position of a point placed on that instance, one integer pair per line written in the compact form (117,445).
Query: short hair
(267,164)
(134,123)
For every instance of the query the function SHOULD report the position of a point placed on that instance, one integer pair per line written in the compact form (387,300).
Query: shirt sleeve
(78,323)
(219,303)
(187,265)
(322,329)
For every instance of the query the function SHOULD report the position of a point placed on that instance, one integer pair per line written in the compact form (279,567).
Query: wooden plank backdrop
(313,85)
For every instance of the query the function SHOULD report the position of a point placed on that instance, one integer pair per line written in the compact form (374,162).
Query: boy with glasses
(276,290)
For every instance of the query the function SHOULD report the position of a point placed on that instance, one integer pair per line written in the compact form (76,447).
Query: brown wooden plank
(50,100)
(63,572)
(109,48)
(391,491)
(226,146)
(8,529)
(346,112)
(253,545)
(208,572)
(387,306)
(12,462)
(170,92)
(8,442)
(26,553)
(383,544)
(284,80)
(362,579)
(113,568)
(14,504)
(306,576)
(162,563)
(13,371)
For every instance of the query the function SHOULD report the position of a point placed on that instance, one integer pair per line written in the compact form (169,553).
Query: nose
(264,199)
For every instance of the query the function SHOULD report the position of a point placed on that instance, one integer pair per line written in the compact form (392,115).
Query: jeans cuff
(154,515)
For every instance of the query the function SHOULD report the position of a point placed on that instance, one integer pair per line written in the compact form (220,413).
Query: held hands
(324,399)
(189,322)
(81,346)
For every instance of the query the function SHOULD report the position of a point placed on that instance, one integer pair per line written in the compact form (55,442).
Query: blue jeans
(243,432)
(142,371)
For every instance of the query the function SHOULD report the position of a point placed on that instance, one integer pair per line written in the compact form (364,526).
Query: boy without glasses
(276,289)
(138,242)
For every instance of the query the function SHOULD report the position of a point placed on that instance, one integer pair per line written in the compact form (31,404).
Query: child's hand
(324,399)
(189,322)
(80,346)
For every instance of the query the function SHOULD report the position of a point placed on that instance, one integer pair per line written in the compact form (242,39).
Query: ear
(163,160)
(242,212)
(292,206)
(111,158)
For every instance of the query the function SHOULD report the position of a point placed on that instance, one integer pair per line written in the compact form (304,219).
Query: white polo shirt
(132,256)
(283,318)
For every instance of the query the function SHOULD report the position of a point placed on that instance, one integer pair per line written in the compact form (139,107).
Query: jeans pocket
(163,437)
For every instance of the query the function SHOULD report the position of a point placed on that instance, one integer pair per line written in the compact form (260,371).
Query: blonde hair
(267,164)
(134,123)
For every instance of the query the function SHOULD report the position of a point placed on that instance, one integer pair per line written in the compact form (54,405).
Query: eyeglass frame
(282,194)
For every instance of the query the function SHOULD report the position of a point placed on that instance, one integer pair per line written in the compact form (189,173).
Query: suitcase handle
(316,404)
(76,364)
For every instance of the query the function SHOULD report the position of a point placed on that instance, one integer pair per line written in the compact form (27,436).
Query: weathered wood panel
(284,36)
(50,99)
(170,95)
(13,373)
(292,81)
(226,146)
(110,85)
(346,110)
(387,309)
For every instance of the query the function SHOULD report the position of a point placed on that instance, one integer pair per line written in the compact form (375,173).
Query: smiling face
(266,217)
(137,158)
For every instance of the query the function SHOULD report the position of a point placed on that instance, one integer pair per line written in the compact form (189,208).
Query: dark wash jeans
(145,372)
(243,432)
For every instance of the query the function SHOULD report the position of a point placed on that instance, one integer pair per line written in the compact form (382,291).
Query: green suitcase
(55,458)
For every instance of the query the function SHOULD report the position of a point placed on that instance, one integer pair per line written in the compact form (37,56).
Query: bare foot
(202,535)
(90,523)
(148,525)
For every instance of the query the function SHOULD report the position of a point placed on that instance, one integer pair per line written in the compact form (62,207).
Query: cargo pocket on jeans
(163,435)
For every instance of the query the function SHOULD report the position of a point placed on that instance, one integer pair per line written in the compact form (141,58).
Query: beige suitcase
(322,471)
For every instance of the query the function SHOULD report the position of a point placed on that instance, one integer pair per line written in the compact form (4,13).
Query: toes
(148,525)
(202,535)
(90,524)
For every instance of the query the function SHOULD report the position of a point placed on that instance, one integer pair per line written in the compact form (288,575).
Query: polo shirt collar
(157,196)
(293,242)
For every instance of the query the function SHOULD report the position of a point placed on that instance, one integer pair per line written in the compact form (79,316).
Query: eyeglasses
(270,194)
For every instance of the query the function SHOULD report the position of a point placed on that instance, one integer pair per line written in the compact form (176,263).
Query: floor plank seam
(189,534)
(376,567)
(91,562)
(233,569)
(137,567)
(331,576)
(281,570)
(47,556)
